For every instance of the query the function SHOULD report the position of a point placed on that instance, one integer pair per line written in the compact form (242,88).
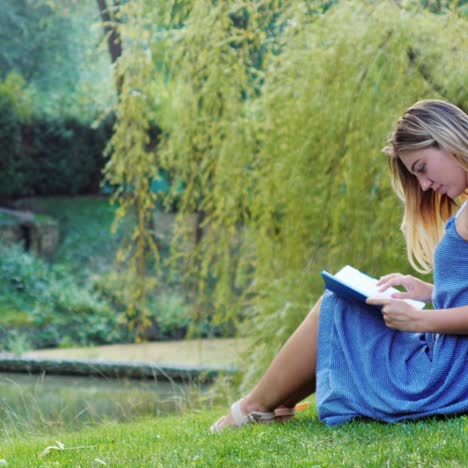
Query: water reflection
(38,403)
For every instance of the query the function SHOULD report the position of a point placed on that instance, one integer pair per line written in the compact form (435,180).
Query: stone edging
(114,369)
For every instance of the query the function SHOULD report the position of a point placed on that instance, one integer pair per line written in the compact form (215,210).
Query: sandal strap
(241,419)
(285,411)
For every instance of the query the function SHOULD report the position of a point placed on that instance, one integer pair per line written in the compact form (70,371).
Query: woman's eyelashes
(421,169)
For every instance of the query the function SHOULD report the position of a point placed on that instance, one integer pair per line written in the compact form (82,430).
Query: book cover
(355,286)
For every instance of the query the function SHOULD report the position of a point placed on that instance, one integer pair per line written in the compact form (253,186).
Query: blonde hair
(426,124)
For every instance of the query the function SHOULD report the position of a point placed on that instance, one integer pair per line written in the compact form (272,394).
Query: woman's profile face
(437,170)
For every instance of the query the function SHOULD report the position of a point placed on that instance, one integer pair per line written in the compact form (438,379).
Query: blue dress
(365,369)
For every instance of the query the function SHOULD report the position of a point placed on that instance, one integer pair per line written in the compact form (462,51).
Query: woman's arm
(449,321)
(404,317)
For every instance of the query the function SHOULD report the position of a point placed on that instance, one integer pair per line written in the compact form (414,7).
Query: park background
(185,169)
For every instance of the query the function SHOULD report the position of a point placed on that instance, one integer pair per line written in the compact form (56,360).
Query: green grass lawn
(180,441)
(84,223)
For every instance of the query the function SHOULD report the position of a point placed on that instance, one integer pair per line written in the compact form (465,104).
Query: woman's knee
(315,311)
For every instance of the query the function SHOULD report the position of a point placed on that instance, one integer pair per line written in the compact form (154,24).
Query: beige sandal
(241,419)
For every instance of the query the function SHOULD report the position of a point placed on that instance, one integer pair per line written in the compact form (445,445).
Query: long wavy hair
(426,124)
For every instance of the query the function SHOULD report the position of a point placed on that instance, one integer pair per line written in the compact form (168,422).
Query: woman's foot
(242,412)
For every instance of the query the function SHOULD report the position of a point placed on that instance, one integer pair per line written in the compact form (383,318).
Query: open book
(356,286)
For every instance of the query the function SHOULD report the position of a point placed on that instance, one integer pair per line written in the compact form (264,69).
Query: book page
(361,282)
(367,285)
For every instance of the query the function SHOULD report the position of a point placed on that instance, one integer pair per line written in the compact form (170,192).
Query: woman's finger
(401,295)
(376,300)
(396,280)
(385,278)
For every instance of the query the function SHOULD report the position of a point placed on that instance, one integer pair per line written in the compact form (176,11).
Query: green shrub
(62,157)
(42,155)
(59,312)
(43,305)
(17,342)
(70,315)
(170,316)
(12,114)
(22,273)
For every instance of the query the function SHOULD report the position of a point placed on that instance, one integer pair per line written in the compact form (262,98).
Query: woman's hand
(400,315)
(415,288)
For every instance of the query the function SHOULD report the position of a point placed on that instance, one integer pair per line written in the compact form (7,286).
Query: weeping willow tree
(133,165)
(273,118)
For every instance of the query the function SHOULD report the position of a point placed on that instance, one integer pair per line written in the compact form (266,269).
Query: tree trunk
(114,42)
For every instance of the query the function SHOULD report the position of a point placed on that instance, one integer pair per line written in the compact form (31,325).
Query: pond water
(44,403)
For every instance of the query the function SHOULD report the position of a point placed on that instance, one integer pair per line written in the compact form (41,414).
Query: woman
(404,363)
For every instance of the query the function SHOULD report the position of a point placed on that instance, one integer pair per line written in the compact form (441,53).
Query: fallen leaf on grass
(98,460)
(61,446)
(47,450)
(3,462)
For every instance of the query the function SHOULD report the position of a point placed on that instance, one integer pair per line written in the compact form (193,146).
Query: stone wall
(117,369)
(36,233)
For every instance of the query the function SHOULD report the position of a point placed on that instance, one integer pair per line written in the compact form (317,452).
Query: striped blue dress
(365,369)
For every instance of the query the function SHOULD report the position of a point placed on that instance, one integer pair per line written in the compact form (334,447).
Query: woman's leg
(291,375)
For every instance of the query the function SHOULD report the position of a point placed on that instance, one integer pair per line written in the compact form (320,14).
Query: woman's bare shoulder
(461,223)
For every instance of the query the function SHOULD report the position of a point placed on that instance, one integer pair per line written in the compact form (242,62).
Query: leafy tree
(109,17)
(274,124)
(13,112)
(55,47)
(131,138)
(33,39)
